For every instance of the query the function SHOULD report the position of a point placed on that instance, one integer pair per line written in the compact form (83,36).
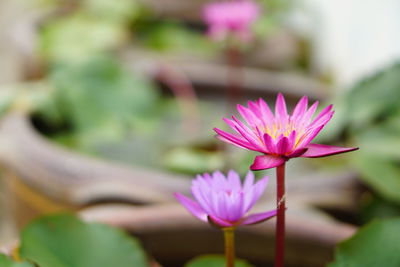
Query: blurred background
(107,107)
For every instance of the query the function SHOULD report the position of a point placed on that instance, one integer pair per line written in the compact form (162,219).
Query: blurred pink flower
(224,201)
(230,17)
(280,136)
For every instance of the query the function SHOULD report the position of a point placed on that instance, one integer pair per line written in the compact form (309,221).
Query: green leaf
(214,261)
(7,262)
(376,207)
(66,241)
(382,140)
(117,11)
(374,245)
(373,97)
(172,36)
(99,101)
(369,115)
(59,39)
(382,174)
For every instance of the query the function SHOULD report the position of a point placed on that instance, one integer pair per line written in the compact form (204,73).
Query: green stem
(229,236)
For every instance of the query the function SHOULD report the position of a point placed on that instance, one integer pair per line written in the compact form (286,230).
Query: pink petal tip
(318,150)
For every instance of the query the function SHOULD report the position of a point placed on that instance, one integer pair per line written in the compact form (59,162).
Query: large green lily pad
(66,241)
(375,245)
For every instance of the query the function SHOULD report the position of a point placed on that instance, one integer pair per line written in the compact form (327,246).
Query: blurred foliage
(77,37)
(271,17)
(214,261)
(171,36)
(7,262)
(193,160)
(90,102)
(102,25)
(98,100)
(64,240)
(371,103)
(373,206)
(120,11)
(94,98)
(275,8)
(374,245)
(369,116)
(93,27)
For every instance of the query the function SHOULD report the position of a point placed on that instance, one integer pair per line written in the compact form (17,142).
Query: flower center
(277,129)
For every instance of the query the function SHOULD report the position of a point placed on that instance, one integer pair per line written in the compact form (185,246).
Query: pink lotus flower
(280,136)
(230,17)
(224,201)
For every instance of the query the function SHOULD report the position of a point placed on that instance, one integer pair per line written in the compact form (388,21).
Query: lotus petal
(263,162)
(318,150)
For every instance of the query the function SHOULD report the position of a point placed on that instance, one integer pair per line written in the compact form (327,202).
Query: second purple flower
(224,201)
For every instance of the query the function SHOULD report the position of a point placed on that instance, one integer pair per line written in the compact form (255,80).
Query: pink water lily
(225,201)
(230,18)
(280,136)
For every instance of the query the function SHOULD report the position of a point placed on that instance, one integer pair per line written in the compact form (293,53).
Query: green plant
(375,244)
(65,241)
(369,115)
